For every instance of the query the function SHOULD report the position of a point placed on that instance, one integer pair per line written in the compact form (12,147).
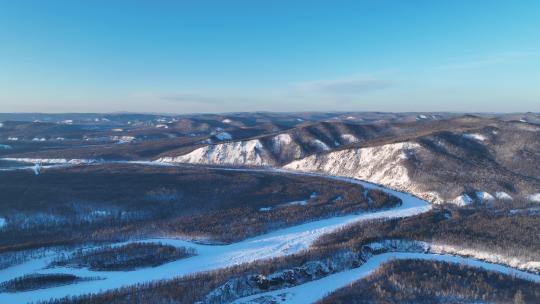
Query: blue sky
(222,56)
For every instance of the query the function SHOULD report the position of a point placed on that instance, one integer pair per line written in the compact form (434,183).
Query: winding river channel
(209,257)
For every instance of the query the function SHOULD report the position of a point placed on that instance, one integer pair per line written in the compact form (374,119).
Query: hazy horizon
(266,112)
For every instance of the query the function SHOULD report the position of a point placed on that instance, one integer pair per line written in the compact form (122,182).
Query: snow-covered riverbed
(278,243)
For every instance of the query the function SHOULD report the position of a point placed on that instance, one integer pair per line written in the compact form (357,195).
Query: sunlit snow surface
(475,136)
(277,243)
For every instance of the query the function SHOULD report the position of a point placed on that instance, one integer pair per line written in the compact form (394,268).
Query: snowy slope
(503,196)
(246,153)
(273,149)
(383,165)
(463,200)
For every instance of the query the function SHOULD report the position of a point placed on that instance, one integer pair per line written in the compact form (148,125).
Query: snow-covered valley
(278,243)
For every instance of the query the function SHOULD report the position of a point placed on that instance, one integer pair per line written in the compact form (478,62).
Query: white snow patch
(224,136)
(117,130)
(11,138)
(265,209)
(67,121)
(162,126)
(484,196)
(123,139)
(282,139)
(227,121)
(348,138)
(535,198)
(463,200)
(296,203)
(39,139)
(475,136)
(503,196)
(37,169)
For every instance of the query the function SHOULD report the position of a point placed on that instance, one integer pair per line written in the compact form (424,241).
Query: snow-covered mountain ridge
(272,149)
(462,162)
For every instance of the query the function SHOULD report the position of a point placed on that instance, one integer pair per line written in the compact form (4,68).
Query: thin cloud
(488,60)
(343,87)
(192,102)
(190,98)
(317,94)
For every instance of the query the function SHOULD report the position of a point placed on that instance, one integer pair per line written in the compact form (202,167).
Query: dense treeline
(96,204)
(490,231)
(242,222)
(415,281)
(37,281)
(17,257)
(125,257)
